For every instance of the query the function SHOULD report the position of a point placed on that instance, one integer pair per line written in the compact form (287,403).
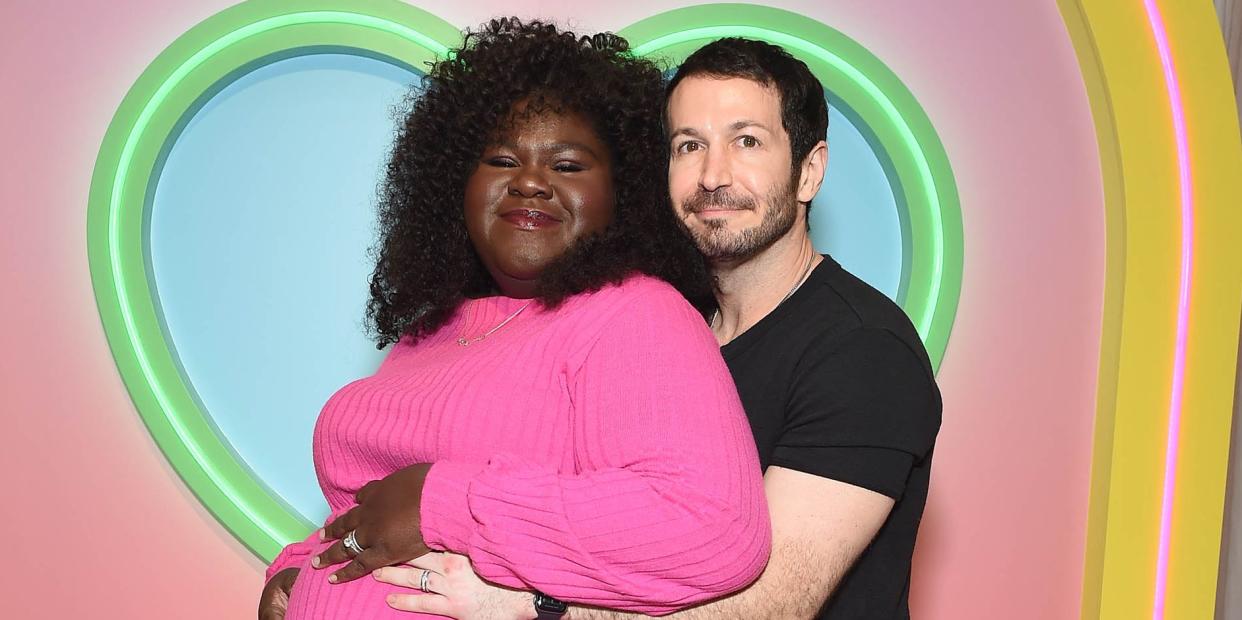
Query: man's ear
(812,172)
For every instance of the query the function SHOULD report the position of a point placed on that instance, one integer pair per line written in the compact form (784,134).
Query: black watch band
(548,608)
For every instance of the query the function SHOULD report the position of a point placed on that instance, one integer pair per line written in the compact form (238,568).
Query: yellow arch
(1139,151)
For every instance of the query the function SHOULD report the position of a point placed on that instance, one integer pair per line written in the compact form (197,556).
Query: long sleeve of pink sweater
(604,460)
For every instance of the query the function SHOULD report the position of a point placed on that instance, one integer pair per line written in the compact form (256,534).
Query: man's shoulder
(859,303)
(839,306)
(861,391)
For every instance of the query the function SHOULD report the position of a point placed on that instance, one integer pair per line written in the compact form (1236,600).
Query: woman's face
(545,185)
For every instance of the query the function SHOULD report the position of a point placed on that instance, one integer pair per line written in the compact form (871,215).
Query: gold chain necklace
(465,342)
(806,273)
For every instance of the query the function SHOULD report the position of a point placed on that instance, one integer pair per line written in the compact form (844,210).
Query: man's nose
(716,171)
(529,182)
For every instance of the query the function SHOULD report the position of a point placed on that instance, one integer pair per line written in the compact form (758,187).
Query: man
(835,381)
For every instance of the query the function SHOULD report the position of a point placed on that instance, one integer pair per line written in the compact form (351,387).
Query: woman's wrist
(445,521)
(288,572)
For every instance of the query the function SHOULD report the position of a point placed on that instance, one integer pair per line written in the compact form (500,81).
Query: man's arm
(819,528)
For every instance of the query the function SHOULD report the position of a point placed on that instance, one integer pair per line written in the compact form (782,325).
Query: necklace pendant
(465,342)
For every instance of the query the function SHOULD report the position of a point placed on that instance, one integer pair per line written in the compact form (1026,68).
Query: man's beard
(717,243)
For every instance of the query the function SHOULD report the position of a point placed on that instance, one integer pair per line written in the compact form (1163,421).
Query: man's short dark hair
(804,111)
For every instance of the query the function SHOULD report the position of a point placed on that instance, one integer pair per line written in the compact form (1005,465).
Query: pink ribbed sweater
(596,452)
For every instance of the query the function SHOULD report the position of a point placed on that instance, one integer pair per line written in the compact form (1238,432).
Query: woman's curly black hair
(425,263)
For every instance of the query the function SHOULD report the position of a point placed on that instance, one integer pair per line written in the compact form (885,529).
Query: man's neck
(750,290)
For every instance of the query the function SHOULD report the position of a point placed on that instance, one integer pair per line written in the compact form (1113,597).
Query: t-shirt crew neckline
(747,338)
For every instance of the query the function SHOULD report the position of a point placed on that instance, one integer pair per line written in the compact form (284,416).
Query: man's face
(729,169)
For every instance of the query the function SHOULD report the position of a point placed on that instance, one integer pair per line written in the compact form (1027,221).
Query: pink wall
(99,524)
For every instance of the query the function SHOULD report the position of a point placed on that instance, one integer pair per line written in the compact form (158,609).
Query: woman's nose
(529,183)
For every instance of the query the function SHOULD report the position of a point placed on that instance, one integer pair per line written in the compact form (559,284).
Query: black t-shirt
(836,383)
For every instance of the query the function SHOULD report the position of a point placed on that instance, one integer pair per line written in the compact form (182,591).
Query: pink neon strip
(1183,304)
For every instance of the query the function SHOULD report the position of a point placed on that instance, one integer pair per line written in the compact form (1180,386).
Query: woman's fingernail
(315,562)
(321,533)
(331,578)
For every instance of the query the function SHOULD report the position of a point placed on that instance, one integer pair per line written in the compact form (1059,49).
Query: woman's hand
(274,601)
(454,590)
(385,524)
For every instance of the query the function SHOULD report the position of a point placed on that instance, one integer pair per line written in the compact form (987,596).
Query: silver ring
(351,542)
(422,581)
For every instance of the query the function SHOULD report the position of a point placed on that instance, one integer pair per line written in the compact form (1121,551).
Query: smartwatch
(548,608)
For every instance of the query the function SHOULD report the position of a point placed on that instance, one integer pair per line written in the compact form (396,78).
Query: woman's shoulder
(638,291)
(639,316)
(639,308)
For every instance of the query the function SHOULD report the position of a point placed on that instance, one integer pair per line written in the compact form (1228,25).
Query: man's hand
(385,523)
(274,601)
(454,590)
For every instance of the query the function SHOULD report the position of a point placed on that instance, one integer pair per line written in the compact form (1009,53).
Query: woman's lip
(529,219)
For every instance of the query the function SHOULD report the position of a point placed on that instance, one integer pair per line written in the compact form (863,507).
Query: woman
(553,407)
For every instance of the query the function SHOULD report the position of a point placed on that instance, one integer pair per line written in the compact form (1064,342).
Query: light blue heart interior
(258,237)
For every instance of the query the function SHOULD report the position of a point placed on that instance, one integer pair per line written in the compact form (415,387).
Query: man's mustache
(717,200)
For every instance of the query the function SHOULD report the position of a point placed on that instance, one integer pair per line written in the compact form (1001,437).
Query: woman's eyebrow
(573,146)
(512,145)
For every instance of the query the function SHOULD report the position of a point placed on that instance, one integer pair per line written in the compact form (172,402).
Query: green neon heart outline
(238,40)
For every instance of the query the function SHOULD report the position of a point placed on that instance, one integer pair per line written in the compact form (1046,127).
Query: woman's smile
(529,219)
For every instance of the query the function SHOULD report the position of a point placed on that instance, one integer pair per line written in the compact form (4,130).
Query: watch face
(549,604)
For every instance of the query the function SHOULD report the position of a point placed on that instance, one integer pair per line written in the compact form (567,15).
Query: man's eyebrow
(684,131)
(744,123)
(734,126)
